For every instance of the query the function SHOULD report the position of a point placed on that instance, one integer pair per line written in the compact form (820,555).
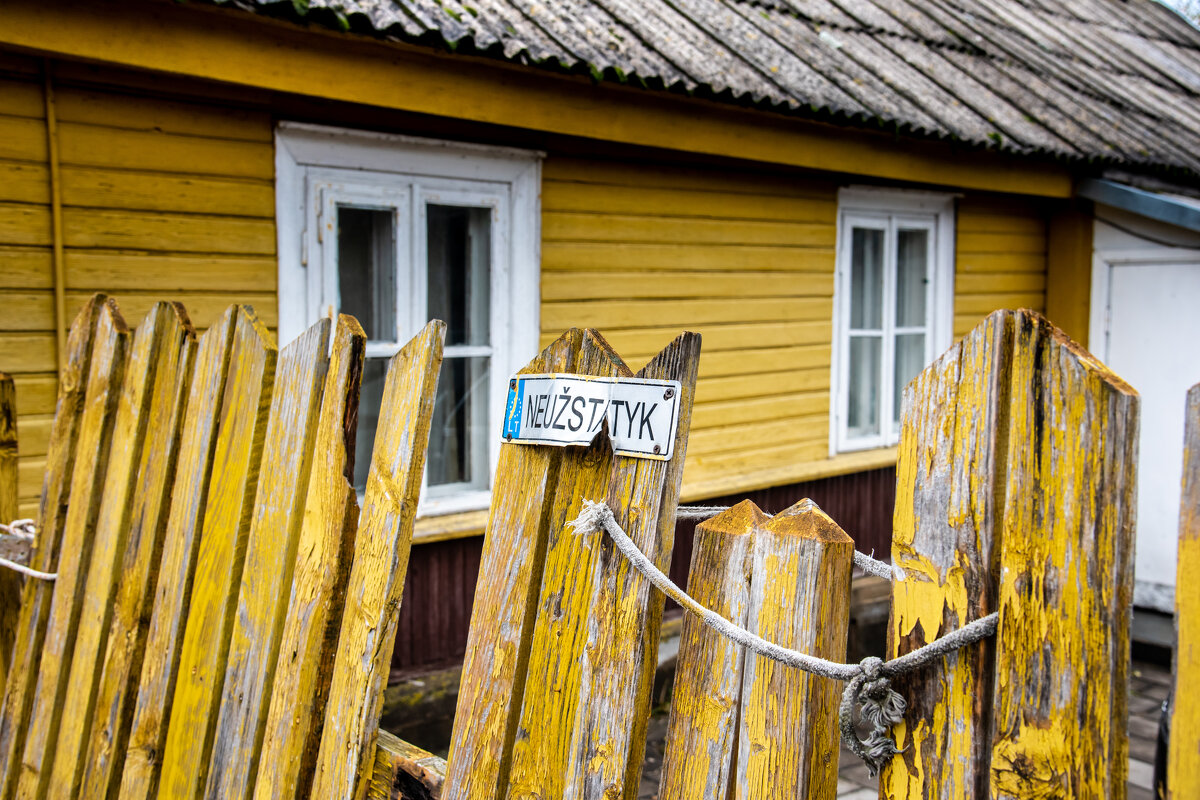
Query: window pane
(862,416)
(910,360)
(458,438)
(370,399)
(866,279)
(367,269)
(912,263)
(459,242)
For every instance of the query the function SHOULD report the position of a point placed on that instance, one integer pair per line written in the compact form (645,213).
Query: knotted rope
(22,530)
(868,683)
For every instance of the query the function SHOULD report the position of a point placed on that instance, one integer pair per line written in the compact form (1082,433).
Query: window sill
(444,527)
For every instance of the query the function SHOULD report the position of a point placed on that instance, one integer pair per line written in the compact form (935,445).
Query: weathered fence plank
(269,560)
(503,615)
(801,563)
(138,568)
(368,630)
(404,771)
(91,463)
(944,538)
(1183,764)
(1017,460)
(707,694)
(146,415)
(222,546)
(36,596)
(137,767)
(314,611)
(10,583)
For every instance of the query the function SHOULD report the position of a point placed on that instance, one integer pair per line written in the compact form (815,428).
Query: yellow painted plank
(27,352)
(35,433)
(1066,572)
(659,175)
(30,477)
(236,464)
(1021,223)
(58,468)
(771,407)
(684,254)
(700,485)
(26,267)
(1183,757)
(169,272)
(101,146)
(654,202)
(993,263)
(136,767)
(25,224)
(102,752)
(10,583)
(21,98)
(610,284)
(36,395)
(155,191)
(727,337)
(982,304)
(999,282)
(373,591)
(613,314)
(18,65)
(747,436)
(146,416)
(95,439)
(1001,243)
(203,307)
(23,182)
(292,730)
(585,227)
(706,695)
(703,468)
(788,738)
(148,113)
(761,359)
(501,618)
(279,504)
(29,311)
(136,230)
(742,386)
(23,139)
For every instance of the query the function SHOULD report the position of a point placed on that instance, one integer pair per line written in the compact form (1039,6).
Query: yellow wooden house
(829,191)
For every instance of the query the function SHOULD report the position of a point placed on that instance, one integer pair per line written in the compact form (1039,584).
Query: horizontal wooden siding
(1000,258)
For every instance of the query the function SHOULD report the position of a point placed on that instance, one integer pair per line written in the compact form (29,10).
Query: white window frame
(887,208)
(316,166)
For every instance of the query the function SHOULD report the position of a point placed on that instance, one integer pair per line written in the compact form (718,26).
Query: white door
(1151,338)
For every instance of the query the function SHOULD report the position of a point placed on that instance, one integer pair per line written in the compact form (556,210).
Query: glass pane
(367,268)
(862,416)
(460,271)
(910,360)
(458,438)
(912,265)
(370,399)
(866,279)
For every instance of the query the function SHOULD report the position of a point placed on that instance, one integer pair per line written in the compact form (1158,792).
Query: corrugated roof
(1109,80)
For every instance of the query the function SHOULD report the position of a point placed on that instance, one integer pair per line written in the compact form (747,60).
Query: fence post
(1183,766)
(1016,488)
(10,582)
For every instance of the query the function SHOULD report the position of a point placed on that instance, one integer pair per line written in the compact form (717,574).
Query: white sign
(563,410)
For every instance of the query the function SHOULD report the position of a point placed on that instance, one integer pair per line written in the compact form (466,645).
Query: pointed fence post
(1016,494)
(1183,765)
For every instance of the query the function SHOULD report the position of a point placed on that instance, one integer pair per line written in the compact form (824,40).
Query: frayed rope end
(594,516)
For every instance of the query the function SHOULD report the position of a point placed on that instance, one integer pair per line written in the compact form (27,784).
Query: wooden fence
(197,513)
(1183,767)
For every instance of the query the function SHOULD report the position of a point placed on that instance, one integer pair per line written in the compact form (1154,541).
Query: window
(893,302)
(398,231)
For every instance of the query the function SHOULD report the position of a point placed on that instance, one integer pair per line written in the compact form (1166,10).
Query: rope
(23,530)
(868,684)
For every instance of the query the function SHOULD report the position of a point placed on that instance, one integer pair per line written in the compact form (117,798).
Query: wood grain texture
(10,583)
(373,592)
(138,568)
(136,768)
(218,572)
(292,730)
(1059,724)
(147,405)
(1023,447)
(36,596)
(404,771)
(502,618)
(788,741)
(1183,758)
(706,696)
(270,556)
(946,531)
(95,441)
